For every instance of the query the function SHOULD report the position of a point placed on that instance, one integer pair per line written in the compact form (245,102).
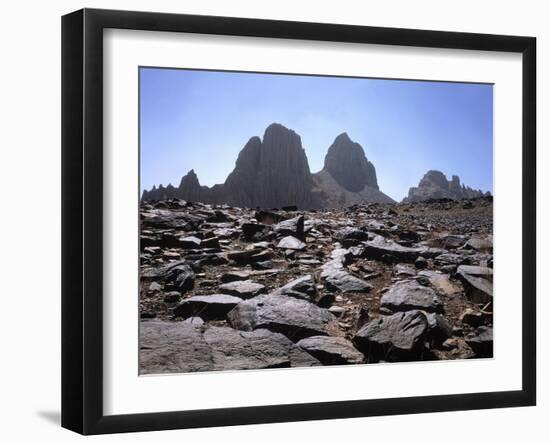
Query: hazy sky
(201,120)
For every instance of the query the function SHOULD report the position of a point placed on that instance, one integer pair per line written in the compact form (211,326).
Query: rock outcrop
(435,186)
(273,172)
(348,165)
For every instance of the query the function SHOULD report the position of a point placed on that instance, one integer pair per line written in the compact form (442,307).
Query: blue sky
(201,120)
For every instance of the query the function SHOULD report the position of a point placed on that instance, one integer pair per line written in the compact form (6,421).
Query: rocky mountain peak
(434,185)
(347,164)
(273,171)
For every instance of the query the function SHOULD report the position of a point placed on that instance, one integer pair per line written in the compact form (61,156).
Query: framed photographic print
(310,220)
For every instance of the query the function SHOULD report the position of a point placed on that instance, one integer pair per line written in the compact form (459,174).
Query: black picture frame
(82,239)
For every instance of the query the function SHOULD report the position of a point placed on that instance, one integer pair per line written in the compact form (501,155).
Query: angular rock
(195,321)
(293,227)
(235,276)
(207,307)
(242,288)
(301,287)
(398,337)
(260,349)
(441,282)
(439,328)
(255,231)
(408,295)
(189,242)
(379,246)
(350,236)
(481,342)
(172,347)
(332,350)
(290,242)
(290,316)
(342,281)
(477,282)
(177,347)
(483,244)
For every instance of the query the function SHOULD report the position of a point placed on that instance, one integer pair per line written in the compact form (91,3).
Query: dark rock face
(273,172)
(347,163)
(434,185)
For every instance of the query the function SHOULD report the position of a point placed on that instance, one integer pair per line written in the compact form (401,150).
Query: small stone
(242,289)
(421,263)
(290,242)
(172,297)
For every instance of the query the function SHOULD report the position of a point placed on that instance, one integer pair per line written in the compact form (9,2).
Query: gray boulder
(242,289)
(290,316)
(207,307)
(477,282)
(290,242)
(332,350)
(397,337)
(177,347)
(408,295)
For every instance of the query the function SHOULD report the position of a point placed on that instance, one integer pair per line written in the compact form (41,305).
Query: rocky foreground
(225,288)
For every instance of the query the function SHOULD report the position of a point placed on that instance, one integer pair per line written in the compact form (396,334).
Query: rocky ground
(226,288)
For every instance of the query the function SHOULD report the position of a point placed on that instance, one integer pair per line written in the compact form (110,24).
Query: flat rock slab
(477,282)
(441,282)
(242,289)
(380,246)
(397,337)
(483,244)
(232,276)
(290,242)
(172,347)
(175,347)
(293,227)
(301,287)
(207,307)
(332,350)
(408,295)
(341,281)
(290,316)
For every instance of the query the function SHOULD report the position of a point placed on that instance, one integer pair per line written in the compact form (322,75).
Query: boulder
(380,246)
(242,288)
(293,227)
(332,350)
(341,281)
(290,316)
(207,307)
(408,295)
(397,337)
(177,347)
(477,282)
(481,342)
(290,242)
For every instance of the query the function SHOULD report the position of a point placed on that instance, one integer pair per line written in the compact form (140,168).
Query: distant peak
(277,128)
(343,137)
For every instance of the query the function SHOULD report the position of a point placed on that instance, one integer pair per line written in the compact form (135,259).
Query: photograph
(294,220)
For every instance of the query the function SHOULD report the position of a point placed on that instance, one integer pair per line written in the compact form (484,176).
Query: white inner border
(125,392)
